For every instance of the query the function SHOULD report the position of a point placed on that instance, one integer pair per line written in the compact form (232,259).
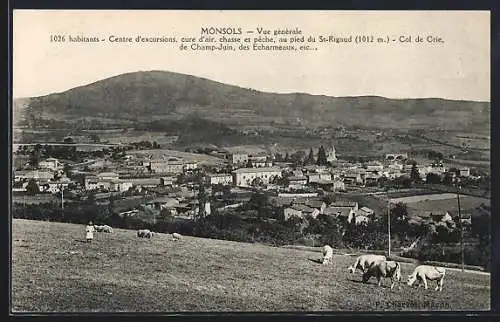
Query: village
(147,182)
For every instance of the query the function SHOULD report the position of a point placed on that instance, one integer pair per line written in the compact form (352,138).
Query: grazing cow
(99,228)
(107,229)
(103,228)
(383,268)
(176,236)
(327,255)
(423,273)
(363,262)
(144,233)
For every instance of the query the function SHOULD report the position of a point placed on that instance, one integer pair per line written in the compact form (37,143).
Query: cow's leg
(420,281)
(441,282)
(425,282)
(379,279)
(392,282)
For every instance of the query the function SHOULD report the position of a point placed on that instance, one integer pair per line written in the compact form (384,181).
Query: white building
(374,166)
(260,162)
(464,172)
(108,176)
(190,165)
(238,158)
(51,164)
(220,178)
(338,185)
(245,177)
(318,177)
(166,167)
(38,176)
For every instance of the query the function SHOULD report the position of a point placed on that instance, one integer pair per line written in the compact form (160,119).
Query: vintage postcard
(250,161)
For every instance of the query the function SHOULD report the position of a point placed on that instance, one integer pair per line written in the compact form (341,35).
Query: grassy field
(445,201)
(202,158)
(467,203)
(53,270)
(426,197)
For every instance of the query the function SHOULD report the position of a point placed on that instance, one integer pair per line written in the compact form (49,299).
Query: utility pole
(460,223)
(389,225)
(62,201)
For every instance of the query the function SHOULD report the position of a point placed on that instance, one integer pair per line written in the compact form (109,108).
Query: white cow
(176,236)
(423,273)
(103,228)
(144,233)
(327,255)
(363,262)
(107,229)
(386,269)
(98,228)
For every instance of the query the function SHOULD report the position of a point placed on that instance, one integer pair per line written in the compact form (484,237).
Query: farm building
(340,212)
(300,211)
(435,215)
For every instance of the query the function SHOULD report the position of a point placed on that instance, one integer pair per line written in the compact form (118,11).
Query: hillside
(143,96)
(54,270)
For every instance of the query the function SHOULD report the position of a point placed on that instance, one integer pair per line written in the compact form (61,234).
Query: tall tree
(414,174)
(32,187)
(310,157)
(34,158)
(202,199)
(322,156)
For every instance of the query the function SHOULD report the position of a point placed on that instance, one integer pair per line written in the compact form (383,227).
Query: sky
(458,69)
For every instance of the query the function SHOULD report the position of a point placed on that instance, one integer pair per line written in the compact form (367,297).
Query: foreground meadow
(53,270)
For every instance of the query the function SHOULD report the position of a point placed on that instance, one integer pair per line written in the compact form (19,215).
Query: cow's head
(411,279)
(351,269)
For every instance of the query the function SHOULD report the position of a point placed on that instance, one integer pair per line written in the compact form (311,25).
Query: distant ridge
(163,94)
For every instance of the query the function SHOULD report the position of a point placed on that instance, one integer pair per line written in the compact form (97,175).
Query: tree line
(259,221)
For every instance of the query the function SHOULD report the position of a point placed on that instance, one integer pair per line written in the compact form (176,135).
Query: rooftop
(219,174)
(303,208)
(341,211)
(257,170)
(295,178)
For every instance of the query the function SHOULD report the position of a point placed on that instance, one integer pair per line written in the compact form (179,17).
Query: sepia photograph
(176,161)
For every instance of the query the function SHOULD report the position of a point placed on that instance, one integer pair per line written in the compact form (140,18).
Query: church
(330,154)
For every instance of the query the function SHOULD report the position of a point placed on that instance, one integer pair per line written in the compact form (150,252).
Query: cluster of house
(347,211)
(145,171)
(140,173)
(329,178)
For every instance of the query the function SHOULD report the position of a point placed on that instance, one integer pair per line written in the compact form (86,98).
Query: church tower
(330,154)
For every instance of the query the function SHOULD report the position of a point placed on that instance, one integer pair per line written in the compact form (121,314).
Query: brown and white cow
(384,269)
